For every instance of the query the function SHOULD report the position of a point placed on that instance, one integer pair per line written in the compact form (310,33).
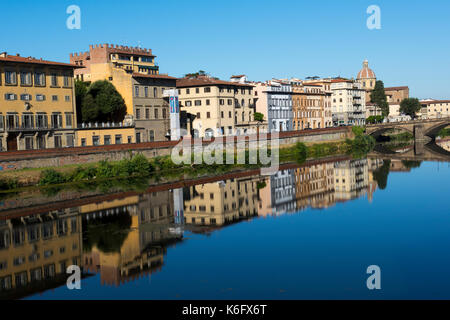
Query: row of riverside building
(38,105)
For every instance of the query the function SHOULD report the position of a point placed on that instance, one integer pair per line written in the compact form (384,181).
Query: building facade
(311,106)
(348,102)
(136,76)
(434,109)
(37,105)
(220,107)
(279,106)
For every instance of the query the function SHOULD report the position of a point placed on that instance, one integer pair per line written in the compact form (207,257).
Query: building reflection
(127,238)
(221,203)
(36,250)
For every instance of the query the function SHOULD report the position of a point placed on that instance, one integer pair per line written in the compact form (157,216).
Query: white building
(348,102)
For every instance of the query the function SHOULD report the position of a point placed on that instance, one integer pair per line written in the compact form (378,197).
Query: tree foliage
(378,97)
(410,106)
(258,116)
(102,103)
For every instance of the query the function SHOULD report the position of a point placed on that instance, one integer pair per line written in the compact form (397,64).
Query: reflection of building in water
(221,202)
(283,191)
(398,166)
(315,186)
(36,250)
(373,165)
(351,179)
(265,198)
(130,240)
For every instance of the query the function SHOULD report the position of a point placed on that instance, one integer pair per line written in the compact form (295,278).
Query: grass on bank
(140,167)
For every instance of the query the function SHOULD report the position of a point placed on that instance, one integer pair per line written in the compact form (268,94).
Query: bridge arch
(433,131)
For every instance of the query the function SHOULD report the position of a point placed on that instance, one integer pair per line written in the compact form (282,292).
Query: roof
(153,76)
(206,81)
(239,76)
(434,102)
(396,88)
(30,60)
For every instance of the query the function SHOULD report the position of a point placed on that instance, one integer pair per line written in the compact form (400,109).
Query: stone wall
(82,155)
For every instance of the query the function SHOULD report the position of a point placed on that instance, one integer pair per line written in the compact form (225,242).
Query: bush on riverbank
(445,132)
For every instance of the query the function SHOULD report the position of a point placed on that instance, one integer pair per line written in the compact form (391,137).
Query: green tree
(81,89)
(410,106)
(103,103)
(378,96)
(258,116)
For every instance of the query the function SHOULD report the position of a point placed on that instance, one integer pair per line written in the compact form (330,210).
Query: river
(308,232)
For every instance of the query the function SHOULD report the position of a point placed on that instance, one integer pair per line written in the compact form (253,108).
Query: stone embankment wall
(16,160)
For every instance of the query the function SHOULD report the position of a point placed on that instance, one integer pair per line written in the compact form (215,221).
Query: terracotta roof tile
(205,81)
(19,59)
(153,76)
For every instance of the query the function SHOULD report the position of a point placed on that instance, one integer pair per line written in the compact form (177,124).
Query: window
(207,89)
(69,117)
(54,78)
(95,140)
(188,91)
(151,135)
(136,91)
(25,78)
(70,141)
(41,121)
(28,143)
(107,140)
(56,120)
(221,114)
(10,96)
(197,90)
(67,80)
(156,113)
(222,102)
(25,97)
(67,98)
(164,113)
(138,113)
(40,97)
(146,92)
(27,121)
(188,103)
(39,79)
(147,113)
(198,102)
(138,137)
(83,142)
(10,77)
(55,98)
(208,115)
(118,139)
(198,115)
(58,142)
(155,92)
(230,102)
(207,102)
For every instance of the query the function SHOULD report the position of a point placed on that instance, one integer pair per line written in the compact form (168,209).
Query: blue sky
(262,39)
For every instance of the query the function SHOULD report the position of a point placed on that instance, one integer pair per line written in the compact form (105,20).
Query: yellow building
(37,105)
(136,77)
(221,108)
(103,135)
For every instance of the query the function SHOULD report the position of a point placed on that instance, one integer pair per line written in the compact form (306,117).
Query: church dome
(366,72)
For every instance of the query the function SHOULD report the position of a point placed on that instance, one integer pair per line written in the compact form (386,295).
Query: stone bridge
(423,130)
(417,151)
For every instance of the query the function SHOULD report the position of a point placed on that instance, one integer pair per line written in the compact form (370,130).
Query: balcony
(27,128)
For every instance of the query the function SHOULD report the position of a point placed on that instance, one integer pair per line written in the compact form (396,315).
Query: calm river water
(308,232)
